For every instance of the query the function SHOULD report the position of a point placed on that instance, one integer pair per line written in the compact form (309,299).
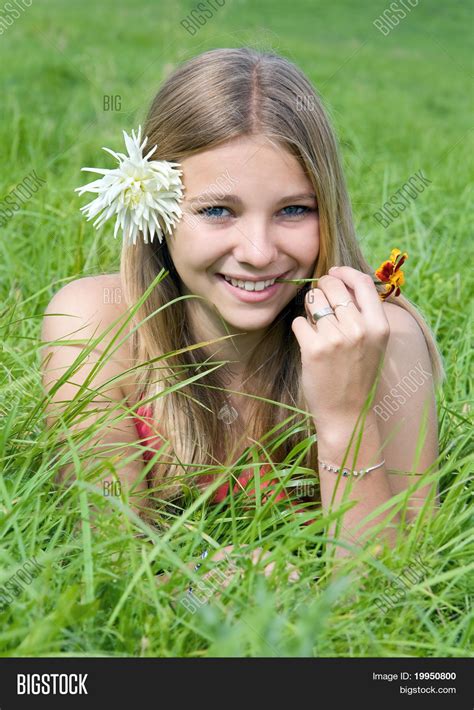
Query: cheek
(182,245)
(195,250)
(305,245)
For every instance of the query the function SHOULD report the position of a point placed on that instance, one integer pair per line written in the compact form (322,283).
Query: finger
(258,555)
(294,575)
(304,328)
(304,332)
(349,318)
(316,301)
(329,325)
(367,296)
(269,569)
(221,554)
(338,297)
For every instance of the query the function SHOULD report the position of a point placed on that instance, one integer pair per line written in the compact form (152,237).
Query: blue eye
(215,212)
(210,212)
(298,207)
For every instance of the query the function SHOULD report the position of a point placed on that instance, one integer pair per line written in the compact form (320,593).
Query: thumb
(303,331)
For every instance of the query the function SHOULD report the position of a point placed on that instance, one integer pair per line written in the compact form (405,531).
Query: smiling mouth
(251,285)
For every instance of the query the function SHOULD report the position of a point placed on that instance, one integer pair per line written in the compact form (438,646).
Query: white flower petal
(143,194)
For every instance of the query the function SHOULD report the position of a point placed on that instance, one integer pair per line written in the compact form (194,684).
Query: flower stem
(299,281)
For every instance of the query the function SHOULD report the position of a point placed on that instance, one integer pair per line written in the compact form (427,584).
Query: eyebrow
(234,199)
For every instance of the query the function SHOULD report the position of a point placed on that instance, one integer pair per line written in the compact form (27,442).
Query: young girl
(218,353)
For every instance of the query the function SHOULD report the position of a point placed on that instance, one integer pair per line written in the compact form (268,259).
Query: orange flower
(390,273)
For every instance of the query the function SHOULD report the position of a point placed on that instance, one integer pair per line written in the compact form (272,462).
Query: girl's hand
(257,555)
(231,567)
(341,353)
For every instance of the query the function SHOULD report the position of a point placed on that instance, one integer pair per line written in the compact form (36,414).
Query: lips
(252,296)
(270,277)
(263,283)
(250,285)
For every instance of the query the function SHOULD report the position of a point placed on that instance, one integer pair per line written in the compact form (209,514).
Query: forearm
(369,491)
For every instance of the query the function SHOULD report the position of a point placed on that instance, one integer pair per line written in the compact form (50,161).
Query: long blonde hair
(215,96)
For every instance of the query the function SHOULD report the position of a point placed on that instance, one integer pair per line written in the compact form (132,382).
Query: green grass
(400,104)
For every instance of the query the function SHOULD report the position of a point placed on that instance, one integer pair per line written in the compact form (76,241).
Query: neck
(237,349)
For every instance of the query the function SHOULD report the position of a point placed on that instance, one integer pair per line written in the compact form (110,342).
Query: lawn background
(400,103)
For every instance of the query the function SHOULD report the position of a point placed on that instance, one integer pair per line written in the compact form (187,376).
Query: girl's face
(250,213)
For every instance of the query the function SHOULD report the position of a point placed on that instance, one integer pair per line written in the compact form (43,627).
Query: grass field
(401,102)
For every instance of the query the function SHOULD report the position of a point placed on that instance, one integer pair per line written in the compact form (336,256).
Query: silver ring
(346,303)
(327,311)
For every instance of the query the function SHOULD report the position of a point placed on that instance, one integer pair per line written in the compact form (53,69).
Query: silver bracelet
(348,471)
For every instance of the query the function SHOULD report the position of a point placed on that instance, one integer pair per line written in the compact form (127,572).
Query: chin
(249,323)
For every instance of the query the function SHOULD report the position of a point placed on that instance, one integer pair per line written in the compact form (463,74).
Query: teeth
(250,285)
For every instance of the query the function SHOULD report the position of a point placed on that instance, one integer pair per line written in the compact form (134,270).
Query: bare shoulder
(91,293)
(83,307)
(94,302)
(406,347)
(91,307)
(401,321)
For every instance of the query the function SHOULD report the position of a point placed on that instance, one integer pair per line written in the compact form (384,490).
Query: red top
(154,443)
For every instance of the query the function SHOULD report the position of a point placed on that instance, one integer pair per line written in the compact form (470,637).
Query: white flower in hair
(144,194)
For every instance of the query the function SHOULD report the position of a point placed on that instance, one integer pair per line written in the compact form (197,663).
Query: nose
(255,244)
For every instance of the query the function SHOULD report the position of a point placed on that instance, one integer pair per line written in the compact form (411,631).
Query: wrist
(340,429)
(341,436)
